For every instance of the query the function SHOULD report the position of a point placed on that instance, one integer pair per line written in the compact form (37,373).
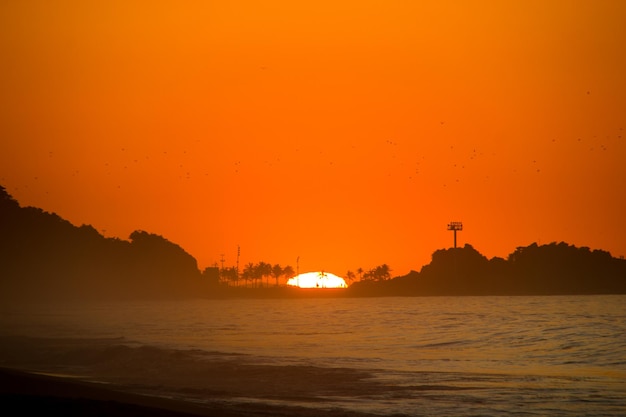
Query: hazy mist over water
(559,355)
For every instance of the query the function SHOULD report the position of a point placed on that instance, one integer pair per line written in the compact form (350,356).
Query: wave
(381,355)
(203,376)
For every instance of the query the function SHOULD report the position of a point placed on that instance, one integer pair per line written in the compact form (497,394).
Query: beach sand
(109,377)
(35,394)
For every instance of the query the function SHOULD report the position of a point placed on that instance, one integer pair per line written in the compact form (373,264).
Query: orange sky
(346,133)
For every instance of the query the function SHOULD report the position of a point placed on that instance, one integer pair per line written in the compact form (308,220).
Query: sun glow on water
(317,280)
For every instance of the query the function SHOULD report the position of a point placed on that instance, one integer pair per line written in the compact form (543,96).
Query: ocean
(414,356)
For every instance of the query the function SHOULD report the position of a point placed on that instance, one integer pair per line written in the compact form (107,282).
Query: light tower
(454,226)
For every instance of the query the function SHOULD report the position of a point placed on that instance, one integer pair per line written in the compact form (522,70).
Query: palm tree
(350,276)
(249,272)
(360,272)
(277,271)
(288,272)
(228,275)
(234,275)
(382,272)
(263,270)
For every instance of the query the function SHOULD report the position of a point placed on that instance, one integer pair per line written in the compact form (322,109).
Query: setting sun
(317,280)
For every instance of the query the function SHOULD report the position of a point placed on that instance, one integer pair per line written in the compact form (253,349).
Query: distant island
(45,258)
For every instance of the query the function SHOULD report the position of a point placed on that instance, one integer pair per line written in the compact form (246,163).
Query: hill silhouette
(44,257)
(553,269)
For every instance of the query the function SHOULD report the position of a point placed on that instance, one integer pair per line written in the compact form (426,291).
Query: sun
(317,280)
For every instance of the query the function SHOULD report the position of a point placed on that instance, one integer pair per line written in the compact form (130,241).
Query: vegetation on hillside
(44,257)
(555,268)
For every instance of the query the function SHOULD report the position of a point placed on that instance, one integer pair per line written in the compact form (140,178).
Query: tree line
(551,269)
(252,275)
(376,274)
(43,256)
(263,274)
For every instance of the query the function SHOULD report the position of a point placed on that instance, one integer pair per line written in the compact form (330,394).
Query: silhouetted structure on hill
(45,258)
(533,270)
(455,227)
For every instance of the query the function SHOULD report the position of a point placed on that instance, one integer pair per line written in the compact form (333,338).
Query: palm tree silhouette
(277,271)
(248,273)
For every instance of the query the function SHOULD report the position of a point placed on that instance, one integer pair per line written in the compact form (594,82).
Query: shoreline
(34,393)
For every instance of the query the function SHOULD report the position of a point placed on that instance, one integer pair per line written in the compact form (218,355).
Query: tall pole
(455,226)
(238,253)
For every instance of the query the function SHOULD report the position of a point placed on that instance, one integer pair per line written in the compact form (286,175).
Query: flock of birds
(460,158)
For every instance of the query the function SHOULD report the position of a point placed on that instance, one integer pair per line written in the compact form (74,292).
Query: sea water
(556,355)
